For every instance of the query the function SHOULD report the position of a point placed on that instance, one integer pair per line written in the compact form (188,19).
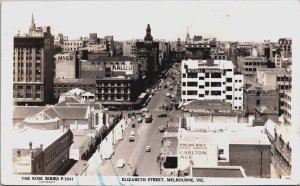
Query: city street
(146,134)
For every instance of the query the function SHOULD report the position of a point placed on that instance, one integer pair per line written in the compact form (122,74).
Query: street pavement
(134,153)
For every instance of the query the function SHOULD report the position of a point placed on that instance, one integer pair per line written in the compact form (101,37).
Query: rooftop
(68,101)
(21,112)
(266,110)
(115,58)
(220,171)
(37,137)
(207,104)
(75,81)
(230,134)
(282,129)
(273,70)
(78,168)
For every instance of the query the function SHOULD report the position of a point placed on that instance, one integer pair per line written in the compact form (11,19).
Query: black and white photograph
(150,92)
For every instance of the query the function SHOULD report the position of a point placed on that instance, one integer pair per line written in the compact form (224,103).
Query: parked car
(121,163)
(131,138)
(163,115)
(144,110)
(140,120)
(161,129)
(132,133)
(148,148)
(112,108)
(148,118)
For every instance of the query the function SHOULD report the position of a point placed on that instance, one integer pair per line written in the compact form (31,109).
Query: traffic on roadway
(138,152)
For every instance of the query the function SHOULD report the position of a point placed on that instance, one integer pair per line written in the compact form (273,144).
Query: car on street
(144,110)
(121,163)
(148,148)
(161,128)
(140,120)
(148,118)
(131,138)
(112,108)
(162,115)
(133,125)
(132,133)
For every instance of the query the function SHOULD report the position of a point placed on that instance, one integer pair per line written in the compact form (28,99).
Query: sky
(126,20)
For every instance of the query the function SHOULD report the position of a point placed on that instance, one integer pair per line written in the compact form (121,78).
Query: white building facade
(212,80)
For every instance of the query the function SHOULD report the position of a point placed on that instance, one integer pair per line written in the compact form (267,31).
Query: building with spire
(198,47)
(33,66)
(178,52)
(187,38)
(147,53)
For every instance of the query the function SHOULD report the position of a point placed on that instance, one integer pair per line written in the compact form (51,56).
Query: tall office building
(212,80)
(33,66)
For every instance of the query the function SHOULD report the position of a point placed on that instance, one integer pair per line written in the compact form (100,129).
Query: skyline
(169,21)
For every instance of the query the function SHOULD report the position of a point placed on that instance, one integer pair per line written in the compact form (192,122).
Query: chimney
(19,153)
(30,145)
(41,146)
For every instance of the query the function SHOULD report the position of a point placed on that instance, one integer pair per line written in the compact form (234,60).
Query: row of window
(70,49)
(220,57)
(120,91)
(28,95)
(27,58)
(113,84)
(20,65)
(255,63)
(80,44)
(250,69)
(284,78)
(113,98)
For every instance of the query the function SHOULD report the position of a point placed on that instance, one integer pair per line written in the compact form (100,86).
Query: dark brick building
(33,67)
(147,53)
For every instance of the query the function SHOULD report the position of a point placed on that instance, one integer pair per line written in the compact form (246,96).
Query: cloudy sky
(225,20)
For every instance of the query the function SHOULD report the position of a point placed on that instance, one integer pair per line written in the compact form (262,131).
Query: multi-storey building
(287,106)
(244,49)
(199,48)
(66,65)
(178,52)
(218,54)
(116,89)
(147,53)
(275,78)
(72,45)
(36,155)
(33,66)
(216,146)
(285,46)
(212,80)
(257,96)
(281,149)
(249,65)
(129,48)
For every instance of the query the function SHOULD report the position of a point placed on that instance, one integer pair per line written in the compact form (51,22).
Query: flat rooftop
(78,168)
(221,171)
(37,137)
